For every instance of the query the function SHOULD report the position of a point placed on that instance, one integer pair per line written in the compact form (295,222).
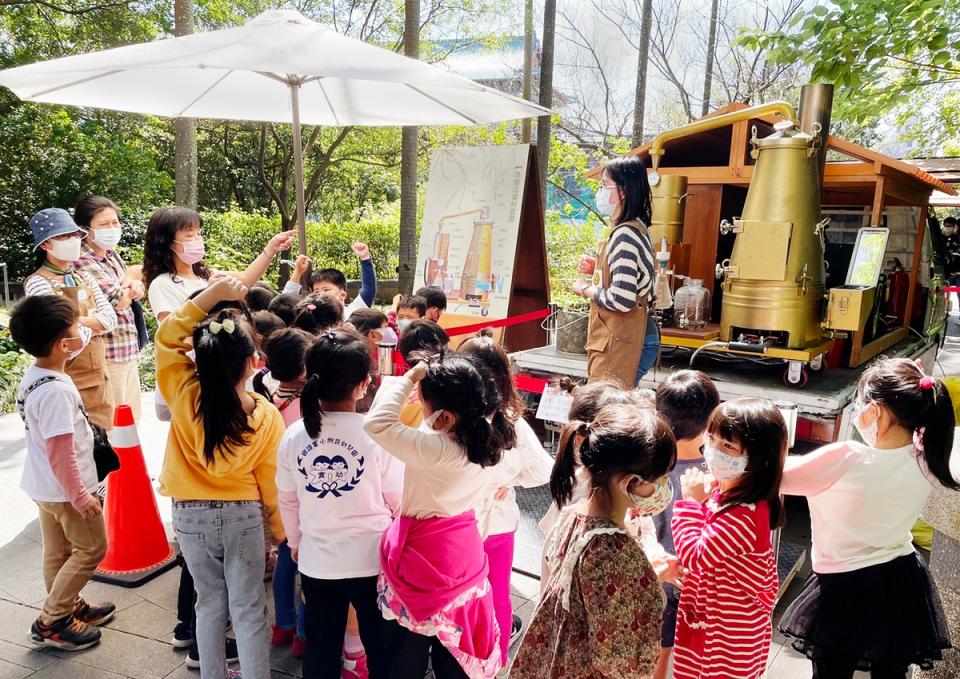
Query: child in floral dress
(600,614)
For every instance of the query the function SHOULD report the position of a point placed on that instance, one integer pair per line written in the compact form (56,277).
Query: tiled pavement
(136,644)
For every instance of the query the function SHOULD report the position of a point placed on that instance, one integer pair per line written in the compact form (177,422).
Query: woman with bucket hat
(56,241)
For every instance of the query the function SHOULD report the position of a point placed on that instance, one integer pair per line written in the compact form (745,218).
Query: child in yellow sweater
(220,469)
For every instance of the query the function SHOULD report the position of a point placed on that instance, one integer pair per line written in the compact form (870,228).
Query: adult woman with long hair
(623,339)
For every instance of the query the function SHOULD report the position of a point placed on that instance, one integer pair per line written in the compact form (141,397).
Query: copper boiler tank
(774,281)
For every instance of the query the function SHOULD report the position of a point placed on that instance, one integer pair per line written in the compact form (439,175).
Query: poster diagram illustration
(471,218)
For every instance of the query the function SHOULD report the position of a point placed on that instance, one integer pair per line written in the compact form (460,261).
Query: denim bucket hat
(49,223)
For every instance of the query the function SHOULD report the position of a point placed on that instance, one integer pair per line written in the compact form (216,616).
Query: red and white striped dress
(724,619)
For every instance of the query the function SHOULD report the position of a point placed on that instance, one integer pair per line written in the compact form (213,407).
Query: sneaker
(233,674)
(193,657)
(299,649)
(516,630)
(354,668)
(94,615)
(182,635)
(67,634)
(281,636)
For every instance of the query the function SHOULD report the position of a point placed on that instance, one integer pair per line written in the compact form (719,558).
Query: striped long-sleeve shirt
(724,619)
(630,258)
(104,312)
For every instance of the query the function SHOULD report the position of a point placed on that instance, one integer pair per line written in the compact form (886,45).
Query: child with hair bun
(600,614)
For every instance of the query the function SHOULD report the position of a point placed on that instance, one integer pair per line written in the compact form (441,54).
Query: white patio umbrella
(279,67)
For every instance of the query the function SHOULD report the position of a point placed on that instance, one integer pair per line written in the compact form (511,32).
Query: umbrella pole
(298,164)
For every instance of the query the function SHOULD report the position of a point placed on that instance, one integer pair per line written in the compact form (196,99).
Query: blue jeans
(651,348)
(223,544)
(285,588)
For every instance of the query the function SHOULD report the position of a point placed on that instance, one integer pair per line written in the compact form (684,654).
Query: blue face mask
(722,466)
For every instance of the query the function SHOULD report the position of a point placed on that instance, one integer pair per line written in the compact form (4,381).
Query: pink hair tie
(311,307)
(926,382)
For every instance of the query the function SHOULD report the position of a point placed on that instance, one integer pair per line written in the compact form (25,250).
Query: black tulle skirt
(887,615)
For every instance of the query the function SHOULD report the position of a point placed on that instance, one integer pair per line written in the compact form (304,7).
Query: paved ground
(136,644)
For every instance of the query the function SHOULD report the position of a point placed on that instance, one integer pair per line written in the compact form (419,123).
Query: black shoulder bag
(104,456)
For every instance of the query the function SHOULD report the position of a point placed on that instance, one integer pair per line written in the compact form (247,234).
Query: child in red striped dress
(721,530)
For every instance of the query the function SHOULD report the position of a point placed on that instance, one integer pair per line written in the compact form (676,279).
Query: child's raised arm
(176,373)
(368,275)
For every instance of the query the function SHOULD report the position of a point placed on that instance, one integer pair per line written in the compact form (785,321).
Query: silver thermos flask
(385,358)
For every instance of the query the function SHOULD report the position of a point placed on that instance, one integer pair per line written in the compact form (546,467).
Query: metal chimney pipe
(816,104)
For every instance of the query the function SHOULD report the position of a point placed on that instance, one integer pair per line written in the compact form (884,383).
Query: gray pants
(223,544)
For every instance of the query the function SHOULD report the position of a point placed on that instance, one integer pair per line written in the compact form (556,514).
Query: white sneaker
(516,630)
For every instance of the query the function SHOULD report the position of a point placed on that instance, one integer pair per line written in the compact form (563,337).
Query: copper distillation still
(476,278)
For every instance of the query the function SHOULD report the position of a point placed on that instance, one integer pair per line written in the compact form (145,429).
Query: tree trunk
(711,55)
(546,91)
(185,129)
(643,59)
(408,163)
(527,123)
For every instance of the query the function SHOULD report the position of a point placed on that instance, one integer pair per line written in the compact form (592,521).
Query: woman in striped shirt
(623,340)
(721,531)
(56,239)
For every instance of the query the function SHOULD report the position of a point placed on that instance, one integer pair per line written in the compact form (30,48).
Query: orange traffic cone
(137,547)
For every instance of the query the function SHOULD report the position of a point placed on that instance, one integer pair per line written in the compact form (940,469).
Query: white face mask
(428,422)
(106,238)
(403,324)
(724,467)
(72,354)
(67,250)
(656,502)
(603,200)
(869,433)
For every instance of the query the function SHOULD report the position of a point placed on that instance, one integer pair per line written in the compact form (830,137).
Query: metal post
(298,162)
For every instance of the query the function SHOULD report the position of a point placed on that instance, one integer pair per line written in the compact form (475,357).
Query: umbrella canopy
(279,67)
(244,73)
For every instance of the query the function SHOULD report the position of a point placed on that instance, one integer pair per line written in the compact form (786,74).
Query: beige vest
(615,338)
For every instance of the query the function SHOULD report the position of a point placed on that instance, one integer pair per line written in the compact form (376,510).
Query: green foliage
(566,241)
(883,55)
(235,237)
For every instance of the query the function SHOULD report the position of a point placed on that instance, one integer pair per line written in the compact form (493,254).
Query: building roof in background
(946,170)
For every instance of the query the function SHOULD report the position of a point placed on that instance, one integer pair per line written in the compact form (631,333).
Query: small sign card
(555,405)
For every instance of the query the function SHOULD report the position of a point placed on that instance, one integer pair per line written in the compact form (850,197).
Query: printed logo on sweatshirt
(335,471)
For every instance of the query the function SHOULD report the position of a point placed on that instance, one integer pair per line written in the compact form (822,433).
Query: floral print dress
(600,614)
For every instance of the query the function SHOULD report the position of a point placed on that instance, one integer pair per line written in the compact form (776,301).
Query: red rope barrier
(503,323)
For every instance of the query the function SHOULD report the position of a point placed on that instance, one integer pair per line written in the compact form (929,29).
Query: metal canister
(669,197)
(385,358)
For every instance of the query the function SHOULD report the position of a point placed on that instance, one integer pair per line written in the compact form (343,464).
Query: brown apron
(614,338)
(88,370)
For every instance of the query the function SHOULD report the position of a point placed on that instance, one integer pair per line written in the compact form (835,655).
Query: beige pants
(125,383)
(73,547)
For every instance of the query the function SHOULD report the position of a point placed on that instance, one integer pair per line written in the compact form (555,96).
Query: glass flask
(692,302)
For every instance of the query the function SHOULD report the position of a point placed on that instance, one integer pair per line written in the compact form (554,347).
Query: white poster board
(471,221)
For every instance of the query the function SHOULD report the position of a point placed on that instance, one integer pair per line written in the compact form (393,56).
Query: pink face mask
(193,251)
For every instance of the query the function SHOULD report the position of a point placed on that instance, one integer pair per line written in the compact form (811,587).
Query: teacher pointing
(623,339)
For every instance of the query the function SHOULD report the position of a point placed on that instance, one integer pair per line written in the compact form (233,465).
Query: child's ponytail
(563,477)
(936,436)
(310,408)
(454,383)
(336,363)
(918,402)
(223,345)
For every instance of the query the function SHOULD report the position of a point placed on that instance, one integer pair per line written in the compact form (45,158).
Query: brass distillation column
(774,281)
